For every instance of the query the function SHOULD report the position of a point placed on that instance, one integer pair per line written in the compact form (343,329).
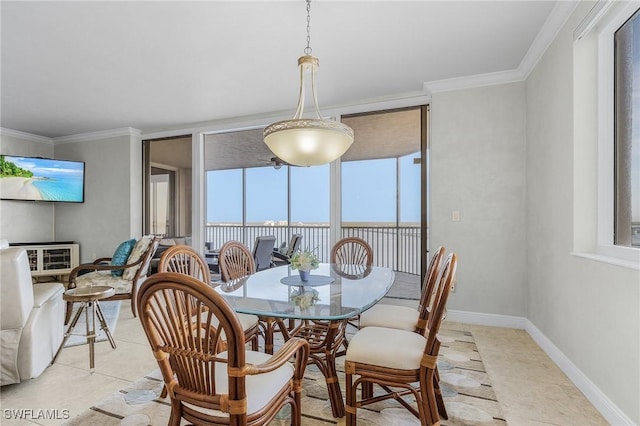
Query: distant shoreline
(19,188)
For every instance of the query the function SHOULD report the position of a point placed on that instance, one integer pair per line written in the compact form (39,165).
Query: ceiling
(77,67)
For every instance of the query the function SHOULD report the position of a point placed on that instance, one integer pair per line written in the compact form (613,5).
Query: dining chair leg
(442,410)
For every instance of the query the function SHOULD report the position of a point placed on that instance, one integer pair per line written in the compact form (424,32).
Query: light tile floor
(530,387)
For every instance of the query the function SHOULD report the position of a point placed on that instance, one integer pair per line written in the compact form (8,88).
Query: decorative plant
(304,260)
(304,299)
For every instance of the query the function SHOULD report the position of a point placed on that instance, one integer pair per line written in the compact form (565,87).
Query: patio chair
(262,252)
(280,259)
(397,367)
(134,271)
(184,320)
(185,260)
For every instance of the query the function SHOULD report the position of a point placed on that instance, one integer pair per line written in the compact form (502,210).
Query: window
(627,133)
(609,40)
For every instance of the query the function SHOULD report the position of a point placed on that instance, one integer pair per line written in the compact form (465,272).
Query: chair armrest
(281,256)
(101,260)
(97,267)
(294,346)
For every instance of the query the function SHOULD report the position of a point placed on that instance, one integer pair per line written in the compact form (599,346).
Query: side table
(88,298)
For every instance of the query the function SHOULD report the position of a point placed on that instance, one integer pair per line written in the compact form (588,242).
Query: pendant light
(308,141)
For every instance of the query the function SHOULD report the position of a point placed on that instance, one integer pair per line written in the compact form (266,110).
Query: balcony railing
(396,247)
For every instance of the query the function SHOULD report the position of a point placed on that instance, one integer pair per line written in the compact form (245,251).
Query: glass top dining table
(321,308)
(333,292)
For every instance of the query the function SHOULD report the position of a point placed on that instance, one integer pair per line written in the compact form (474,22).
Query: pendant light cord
(307,50)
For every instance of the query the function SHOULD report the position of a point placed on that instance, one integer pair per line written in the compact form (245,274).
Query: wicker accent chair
(187,261)
(99,273)
(405,317)
(395,359)
(184,320)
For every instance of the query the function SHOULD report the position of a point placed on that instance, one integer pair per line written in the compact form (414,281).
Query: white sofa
(31,318)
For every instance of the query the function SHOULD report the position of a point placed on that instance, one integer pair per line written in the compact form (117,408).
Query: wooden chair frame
(354,253)
(101,264)
(187,354)
(187,261)
(388,378)
(235,261)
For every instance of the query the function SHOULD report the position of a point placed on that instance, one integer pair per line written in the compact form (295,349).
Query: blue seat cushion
(121,255)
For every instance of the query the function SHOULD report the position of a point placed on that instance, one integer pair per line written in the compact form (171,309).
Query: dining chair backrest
(186,321)
(438,303)
(235,261)
(262,251)
(352,251)
(428,289)
(185,260)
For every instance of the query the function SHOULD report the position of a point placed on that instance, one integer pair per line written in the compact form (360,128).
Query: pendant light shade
(308,141)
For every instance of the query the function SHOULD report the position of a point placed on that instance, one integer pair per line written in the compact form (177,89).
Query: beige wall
(112,211)
(26,221)
(590,310)
(477,159)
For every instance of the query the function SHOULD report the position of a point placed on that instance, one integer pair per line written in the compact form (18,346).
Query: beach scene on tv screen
(26,178)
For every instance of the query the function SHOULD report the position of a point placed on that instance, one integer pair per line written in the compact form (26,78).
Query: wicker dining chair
(397,359)
(235,261)
(185,260)
(405,317)
(410,319)
(184,320)
(352,256)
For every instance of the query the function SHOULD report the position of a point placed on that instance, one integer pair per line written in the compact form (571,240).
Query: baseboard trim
(600,401)
(491,320)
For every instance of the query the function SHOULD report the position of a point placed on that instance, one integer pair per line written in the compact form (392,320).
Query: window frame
(606,137)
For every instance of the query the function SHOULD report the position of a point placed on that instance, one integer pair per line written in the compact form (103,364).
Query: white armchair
(31,318)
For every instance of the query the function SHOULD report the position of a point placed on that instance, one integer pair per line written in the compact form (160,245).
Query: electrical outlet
(455,216)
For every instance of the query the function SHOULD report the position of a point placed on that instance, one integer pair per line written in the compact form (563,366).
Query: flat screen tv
(41,179)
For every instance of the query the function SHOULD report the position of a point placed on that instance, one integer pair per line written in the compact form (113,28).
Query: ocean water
(61,187)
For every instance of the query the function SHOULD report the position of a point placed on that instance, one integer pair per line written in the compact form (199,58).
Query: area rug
(468,396)
(110,309)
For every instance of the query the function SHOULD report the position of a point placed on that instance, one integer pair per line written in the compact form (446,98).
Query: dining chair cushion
(97,278)
(387,347)
(136,253)
(121,255)
(390,316)
(261,388)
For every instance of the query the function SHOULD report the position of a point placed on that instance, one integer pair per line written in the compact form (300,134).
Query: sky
(368,193)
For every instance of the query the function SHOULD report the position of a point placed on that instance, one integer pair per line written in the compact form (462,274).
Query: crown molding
(472,81)
(104,134)
(23,135)
(555,21)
